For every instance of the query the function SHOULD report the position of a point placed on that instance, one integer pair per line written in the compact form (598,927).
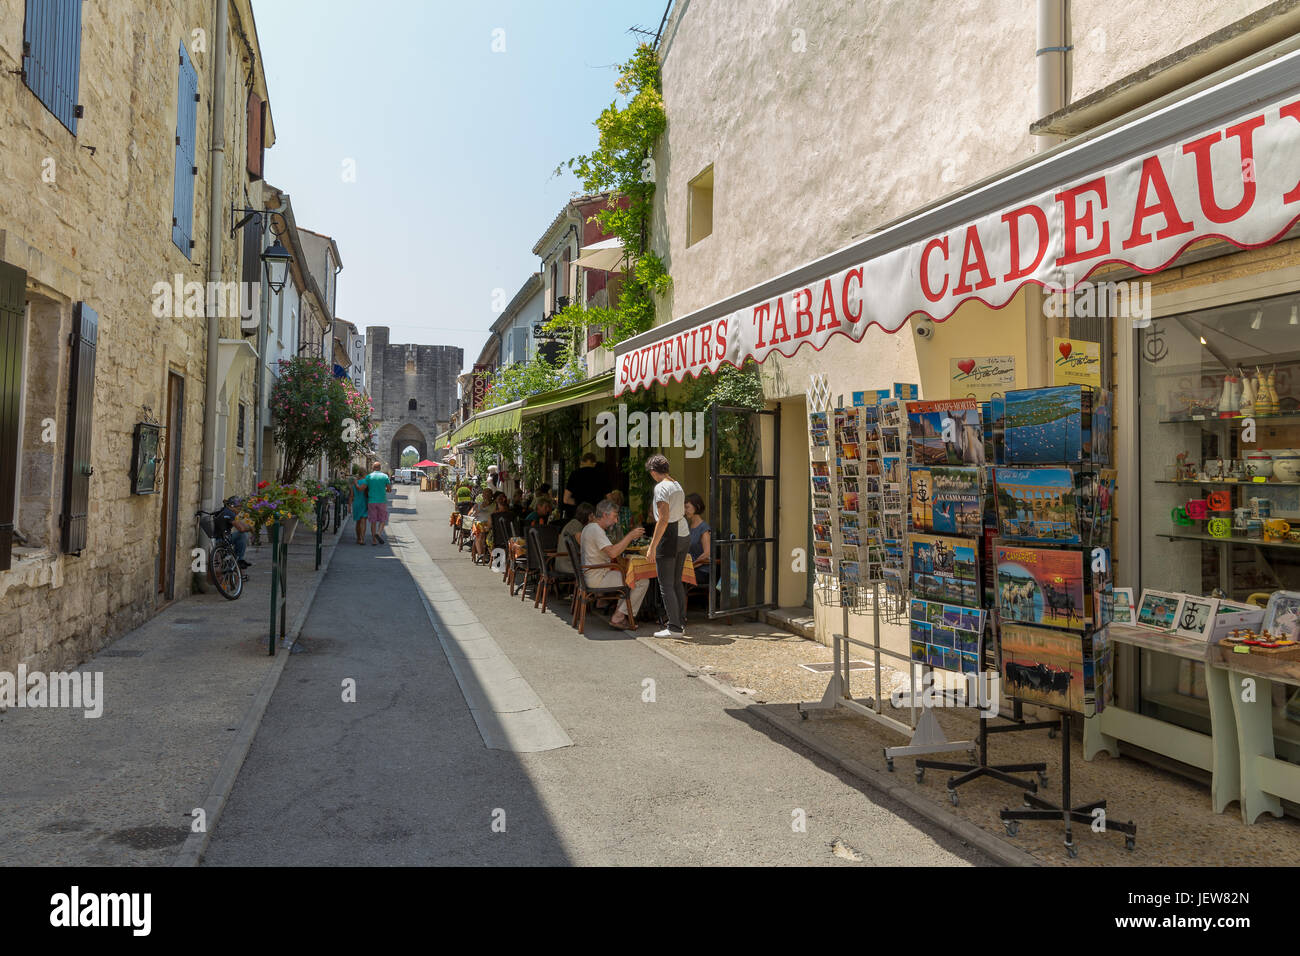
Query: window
(699,207)
(1199,391)
(410,405)
(239,427)
(52,56)
(187,102)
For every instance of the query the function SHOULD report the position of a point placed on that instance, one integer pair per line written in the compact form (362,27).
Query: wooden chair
(545,541)
(584,594)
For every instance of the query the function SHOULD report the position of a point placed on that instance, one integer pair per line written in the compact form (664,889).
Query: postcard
(1037,505)
(819,428)
(1158,609)
(821,532)
(1041,586)
(849,501)
(1048,425)
(944,569)
(1042,666)
(1096,493)
(821,484)
(946,499)
(946,433)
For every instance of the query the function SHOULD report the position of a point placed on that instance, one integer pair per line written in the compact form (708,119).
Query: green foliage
(317,414)
(408,459)
(622,165)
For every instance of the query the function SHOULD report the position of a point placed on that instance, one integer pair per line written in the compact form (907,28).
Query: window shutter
(52,56)
(251,272)
(256,128)
(13,300)
(81,408)
(187,114)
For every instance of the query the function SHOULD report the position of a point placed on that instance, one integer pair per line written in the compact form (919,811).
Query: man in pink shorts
(377,502)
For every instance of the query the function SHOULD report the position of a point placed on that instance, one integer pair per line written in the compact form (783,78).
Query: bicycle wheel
(225,572)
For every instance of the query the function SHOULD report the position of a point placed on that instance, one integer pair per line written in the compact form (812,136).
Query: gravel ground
(1176,826)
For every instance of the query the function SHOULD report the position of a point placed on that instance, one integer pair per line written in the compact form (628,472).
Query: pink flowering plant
(317,414)
(274,503)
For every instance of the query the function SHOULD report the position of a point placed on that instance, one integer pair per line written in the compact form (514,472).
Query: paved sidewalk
(120,789)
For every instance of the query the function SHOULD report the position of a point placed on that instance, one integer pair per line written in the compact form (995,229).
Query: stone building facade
(88,228)
(413,389)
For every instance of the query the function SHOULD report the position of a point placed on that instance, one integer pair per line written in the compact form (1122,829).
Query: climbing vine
(622,165)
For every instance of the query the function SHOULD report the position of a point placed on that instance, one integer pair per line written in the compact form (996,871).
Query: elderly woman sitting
(581,515)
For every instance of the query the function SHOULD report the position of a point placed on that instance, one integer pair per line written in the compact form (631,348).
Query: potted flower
(285,505)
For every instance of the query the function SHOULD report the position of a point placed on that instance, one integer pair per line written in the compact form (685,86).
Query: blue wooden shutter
(13,301)
(187,114)
(81,411)
(52,56)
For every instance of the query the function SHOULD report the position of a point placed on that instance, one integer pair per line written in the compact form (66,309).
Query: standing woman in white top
(670,545)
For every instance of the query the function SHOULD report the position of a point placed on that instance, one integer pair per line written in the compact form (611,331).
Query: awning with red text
(1222,163)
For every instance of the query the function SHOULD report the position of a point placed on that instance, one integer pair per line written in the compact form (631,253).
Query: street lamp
(277,259)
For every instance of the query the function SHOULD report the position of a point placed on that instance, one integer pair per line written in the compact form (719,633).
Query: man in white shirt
(598,549)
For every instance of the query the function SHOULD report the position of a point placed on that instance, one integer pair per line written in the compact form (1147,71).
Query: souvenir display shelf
(1192,415)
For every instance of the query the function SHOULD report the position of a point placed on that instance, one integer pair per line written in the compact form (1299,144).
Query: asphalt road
(401,775)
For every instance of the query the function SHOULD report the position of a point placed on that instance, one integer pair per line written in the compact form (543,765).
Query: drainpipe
(216,192)
(1053,58)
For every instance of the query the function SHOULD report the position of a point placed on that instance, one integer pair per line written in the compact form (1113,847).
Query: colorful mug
(1220,527)
(1179,516)
(1275,529)
(1198,508)
(1219,500)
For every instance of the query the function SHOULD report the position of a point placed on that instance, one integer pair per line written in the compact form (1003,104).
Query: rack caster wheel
(1013,827)
(920,775)
(889,764)
(952,797)
(1042,780)
(1071,851)
(1130,842)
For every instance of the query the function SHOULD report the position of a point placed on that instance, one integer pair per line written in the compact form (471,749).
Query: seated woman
(481,516)
(541,513)
(700,549)
(581,515)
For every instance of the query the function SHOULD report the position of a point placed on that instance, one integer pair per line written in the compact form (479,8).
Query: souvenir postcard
(821,516)
(822,565)
(946,633)
(870,413)
(849,451)
(1158,609)
(871,466)
(821,501)
(1041,586)
(944,569)
(849,501)
(850,572)
(1096,493)
(819,428)
(821,532)
(821,468)
(1037,505)
(822,548)
(873,484)
(821,484)
(848,469)
(1048,425)
(1124,609)
(1102,417)
(959,441)
(850,485)
(1098,673)
(891,498)
(1196,617)
(946,499)
(850,536)
(1042,666)
(849,552)
(893,527)
(893,468)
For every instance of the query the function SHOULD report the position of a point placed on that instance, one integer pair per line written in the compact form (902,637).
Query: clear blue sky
(454,145)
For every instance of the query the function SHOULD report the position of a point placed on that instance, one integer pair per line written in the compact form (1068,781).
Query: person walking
(360,503)
(669,544)
(377,501)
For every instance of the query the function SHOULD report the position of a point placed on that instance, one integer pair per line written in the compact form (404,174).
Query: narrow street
(402,775)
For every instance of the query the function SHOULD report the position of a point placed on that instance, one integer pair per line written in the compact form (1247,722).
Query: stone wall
(96,227)
(398,373)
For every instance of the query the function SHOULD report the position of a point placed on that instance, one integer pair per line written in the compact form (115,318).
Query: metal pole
(275,580)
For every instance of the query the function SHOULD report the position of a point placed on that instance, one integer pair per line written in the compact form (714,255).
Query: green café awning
(503,419)
(602,386)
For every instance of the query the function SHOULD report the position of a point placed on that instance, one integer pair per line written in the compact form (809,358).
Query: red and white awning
(1223,163)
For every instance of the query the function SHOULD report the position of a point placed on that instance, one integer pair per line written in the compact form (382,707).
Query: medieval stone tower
(413,388)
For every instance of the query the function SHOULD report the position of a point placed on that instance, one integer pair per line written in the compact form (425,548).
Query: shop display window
(1218,449)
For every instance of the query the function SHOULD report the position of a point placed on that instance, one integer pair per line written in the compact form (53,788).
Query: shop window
(699,207)
(1219,414)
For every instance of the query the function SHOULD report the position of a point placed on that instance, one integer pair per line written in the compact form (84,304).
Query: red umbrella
(426,463)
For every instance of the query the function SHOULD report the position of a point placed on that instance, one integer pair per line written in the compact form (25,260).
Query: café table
(637,566)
